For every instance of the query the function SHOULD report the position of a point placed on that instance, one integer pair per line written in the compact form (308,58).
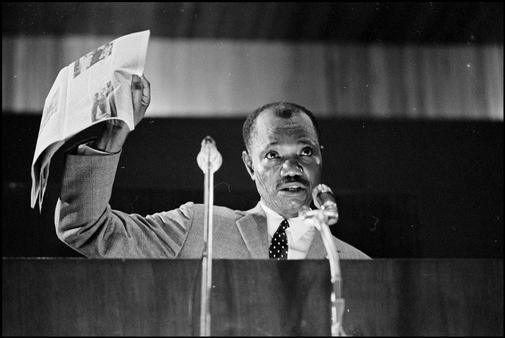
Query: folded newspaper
(94,88)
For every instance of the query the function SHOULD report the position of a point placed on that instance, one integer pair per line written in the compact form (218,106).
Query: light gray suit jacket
(85,221)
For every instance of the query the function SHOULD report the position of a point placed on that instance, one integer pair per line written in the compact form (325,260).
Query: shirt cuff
(85,149)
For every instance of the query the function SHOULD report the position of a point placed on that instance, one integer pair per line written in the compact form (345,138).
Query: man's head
(283,155)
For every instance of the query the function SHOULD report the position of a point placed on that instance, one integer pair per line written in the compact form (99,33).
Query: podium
(77,296)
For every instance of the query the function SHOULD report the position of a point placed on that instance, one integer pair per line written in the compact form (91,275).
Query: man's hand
(115,131)
(141,97)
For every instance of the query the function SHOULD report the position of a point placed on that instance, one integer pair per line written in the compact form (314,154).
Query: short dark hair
(281,109)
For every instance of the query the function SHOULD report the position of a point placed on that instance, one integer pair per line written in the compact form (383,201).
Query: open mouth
(293,189)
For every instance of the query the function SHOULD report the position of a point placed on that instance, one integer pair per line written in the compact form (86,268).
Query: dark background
(404,188)
(388,22)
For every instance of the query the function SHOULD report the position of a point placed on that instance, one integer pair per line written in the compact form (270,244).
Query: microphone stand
(209,160)
(320,219)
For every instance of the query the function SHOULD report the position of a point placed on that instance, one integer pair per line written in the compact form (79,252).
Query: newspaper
(94,88)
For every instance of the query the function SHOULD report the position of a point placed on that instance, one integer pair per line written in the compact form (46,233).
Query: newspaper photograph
(90,90)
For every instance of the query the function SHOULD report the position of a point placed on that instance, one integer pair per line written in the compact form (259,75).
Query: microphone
(209,157)
(325,200)
(327,215)
(209,160)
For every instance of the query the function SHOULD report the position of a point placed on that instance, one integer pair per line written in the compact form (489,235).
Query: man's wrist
(112,138)
(87,149)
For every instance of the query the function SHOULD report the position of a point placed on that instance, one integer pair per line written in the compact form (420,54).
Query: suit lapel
(316,249)
(253,228)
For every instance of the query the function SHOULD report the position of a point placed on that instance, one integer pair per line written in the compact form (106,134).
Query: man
(282,156)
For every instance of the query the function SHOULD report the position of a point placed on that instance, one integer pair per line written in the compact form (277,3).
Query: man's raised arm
(84,219)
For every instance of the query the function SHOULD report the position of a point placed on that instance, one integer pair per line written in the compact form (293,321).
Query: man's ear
(248,164)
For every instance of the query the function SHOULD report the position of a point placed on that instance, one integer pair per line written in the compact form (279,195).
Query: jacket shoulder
(218,211)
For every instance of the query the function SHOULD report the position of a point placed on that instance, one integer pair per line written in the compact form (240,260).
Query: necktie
(279,245)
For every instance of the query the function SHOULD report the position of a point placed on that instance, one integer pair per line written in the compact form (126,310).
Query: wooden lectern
(438,297)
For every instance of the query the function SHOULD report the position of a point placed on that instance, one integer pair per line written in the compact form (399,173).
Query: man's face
(284,161)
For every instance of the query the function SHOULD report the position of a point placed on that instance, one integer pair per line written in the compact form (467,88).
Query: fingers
(141,96)
(141,90)
(136,88)
(146,91)
(136,82)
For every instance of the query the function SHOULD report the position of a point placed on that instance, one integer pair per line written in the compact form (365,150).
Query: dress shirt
(300,232)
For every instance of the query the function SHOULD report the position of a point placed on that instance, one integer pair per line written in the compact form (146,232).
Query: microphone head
(325,201)
(323,197)
(209,158)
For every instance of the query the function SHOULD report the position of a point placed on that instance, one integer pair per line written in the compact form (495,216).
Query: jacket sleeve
(85,221)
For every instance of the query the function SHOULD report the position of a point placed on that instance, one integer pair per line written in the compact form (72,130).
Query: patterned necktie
(279,245)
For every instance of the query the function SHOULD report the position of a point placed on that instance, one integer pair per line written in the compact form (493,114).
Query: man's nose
(291,167)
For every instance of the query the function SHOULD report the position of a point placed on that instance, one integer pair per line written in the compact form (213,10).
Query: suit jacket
(85,221)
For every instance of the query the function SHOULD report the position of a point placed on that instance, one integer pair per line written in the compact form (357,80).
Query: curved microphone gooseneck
(323,217)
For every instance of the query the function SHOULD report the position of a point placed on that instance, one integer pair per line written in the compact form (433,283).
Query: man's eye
(271,155)
(307,151)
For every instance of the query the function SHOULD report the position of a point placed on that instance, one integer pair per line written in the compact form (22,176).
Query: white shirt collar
(297,225)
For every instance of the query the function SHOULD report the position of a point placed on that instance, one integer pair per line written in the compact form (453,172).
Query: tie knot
(284,224)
